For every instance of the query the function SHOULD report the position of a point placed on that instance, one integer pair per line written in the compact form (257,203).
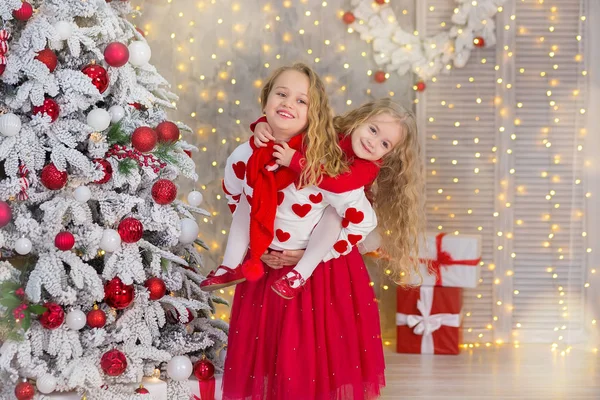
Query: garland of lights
(396,49)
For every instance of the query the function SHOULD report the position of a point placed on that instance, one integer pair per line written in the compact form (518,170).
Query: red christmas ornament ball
(420,86)
(96,318)
(113,362)
(167,132)
(98,75)
(204,369)
(130,230)
(64,241)
(142,390)
(479,41)
(379,77)
(5,214)
(52,178)
(117,294)
(156,287)
(144,139)
(106,167)
(380,2)
(164,191)
(50,107)
(23,13)
(188,152)
(48,58)
(348,17)
(116,54)
(53,317)
(24,391)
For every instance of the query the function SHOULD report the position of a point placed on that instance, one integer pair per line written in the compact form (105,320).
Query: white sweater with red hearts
(299,211)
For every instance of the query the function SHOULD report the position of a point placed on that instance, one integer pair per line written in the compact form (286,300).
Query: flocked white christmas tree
(99,259)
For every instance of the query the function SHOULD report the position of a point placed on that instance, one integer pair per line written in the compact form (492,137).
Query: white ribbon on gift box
(425,324)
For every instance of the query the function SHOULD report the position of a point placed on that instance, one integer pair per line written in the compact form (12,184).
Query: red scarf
(263,203)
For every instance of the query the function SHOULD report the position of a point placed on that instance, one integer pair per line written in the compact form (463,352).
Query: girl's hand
(288,257)
(272,261)
(262,134)
(283,153)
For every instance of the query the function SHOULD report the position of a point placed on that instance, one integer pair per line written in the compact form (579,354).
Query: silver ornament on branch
(23,246)
(46,384)
(76,320)
(99,119)
(189,231)
(139,53)
(82,194)
(111,240)
(10,124)
(195,198)
(179,368)
(116,113)
(63,29)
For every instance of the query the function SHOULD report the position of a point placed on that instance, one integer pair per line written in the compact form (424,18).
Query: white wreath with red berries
(396,49)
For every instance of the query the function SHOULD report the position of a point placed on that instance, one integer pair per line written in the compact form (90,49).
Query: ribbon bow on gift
(444,259)
(425,324)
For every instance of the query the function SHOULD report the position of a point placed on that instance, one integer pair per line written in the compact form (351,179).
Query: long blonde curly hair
(399,195)
(323,154)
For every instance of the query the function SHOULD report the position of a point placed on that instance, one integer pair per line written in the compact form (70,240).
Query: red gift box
(428,320)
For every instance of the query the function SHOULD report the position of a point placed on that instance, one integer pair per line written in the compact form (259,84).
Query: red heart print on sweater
(280,197)
(301,209)
(282,236)
(353,239)
(239,168)
(354,216)
(341,246)
(316,198)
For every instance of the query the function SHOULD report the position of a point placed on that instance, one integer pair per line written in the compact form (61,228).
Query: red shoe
(229,278)
(283,285)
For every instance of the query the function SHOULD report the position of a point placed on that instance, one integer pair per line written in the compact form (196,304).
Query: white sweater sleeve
(358,220)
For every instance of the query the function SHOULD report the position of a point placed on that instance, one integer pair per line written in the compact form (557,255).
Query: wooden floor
(528,372)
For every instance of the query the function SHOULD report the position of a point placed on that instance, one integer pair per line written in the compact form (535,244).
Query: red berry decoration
(130,230)
(144,139)
(64,241)
(24,391)
(96,318)
(52,178)
(53,317)
(420,86)
(138,106)
(116,54)
(117,294)
(348,17)
(204,369)
(50,107)
(106,167)
(164,191)
(156,287)
(142,390)
(379,77)
(98,75)
(167,132)
(113,363)
(479,41)
(23,13)
(48,58)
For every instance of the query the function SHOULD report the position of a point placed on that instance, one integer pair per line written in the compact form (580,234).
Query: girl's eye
(373,130)
(386,145)
(281,94)
(301,101)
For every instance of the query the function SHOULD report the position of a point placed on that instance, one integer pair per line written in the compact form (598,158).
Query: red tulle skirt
(325,344)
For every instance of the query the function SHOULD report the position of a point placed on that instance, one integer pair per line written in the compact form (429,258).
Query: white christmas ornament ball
(139,53)
(189,231)
(76,320)
(99,119)
(111,240)
(23,246)
(63,29)
(195,198)
(82,194)
(116,113)
(179,368)
(46,384)
(10,124)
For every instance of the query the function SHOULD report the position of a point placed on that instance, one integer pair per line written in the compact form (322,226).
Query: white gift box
(454,261)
